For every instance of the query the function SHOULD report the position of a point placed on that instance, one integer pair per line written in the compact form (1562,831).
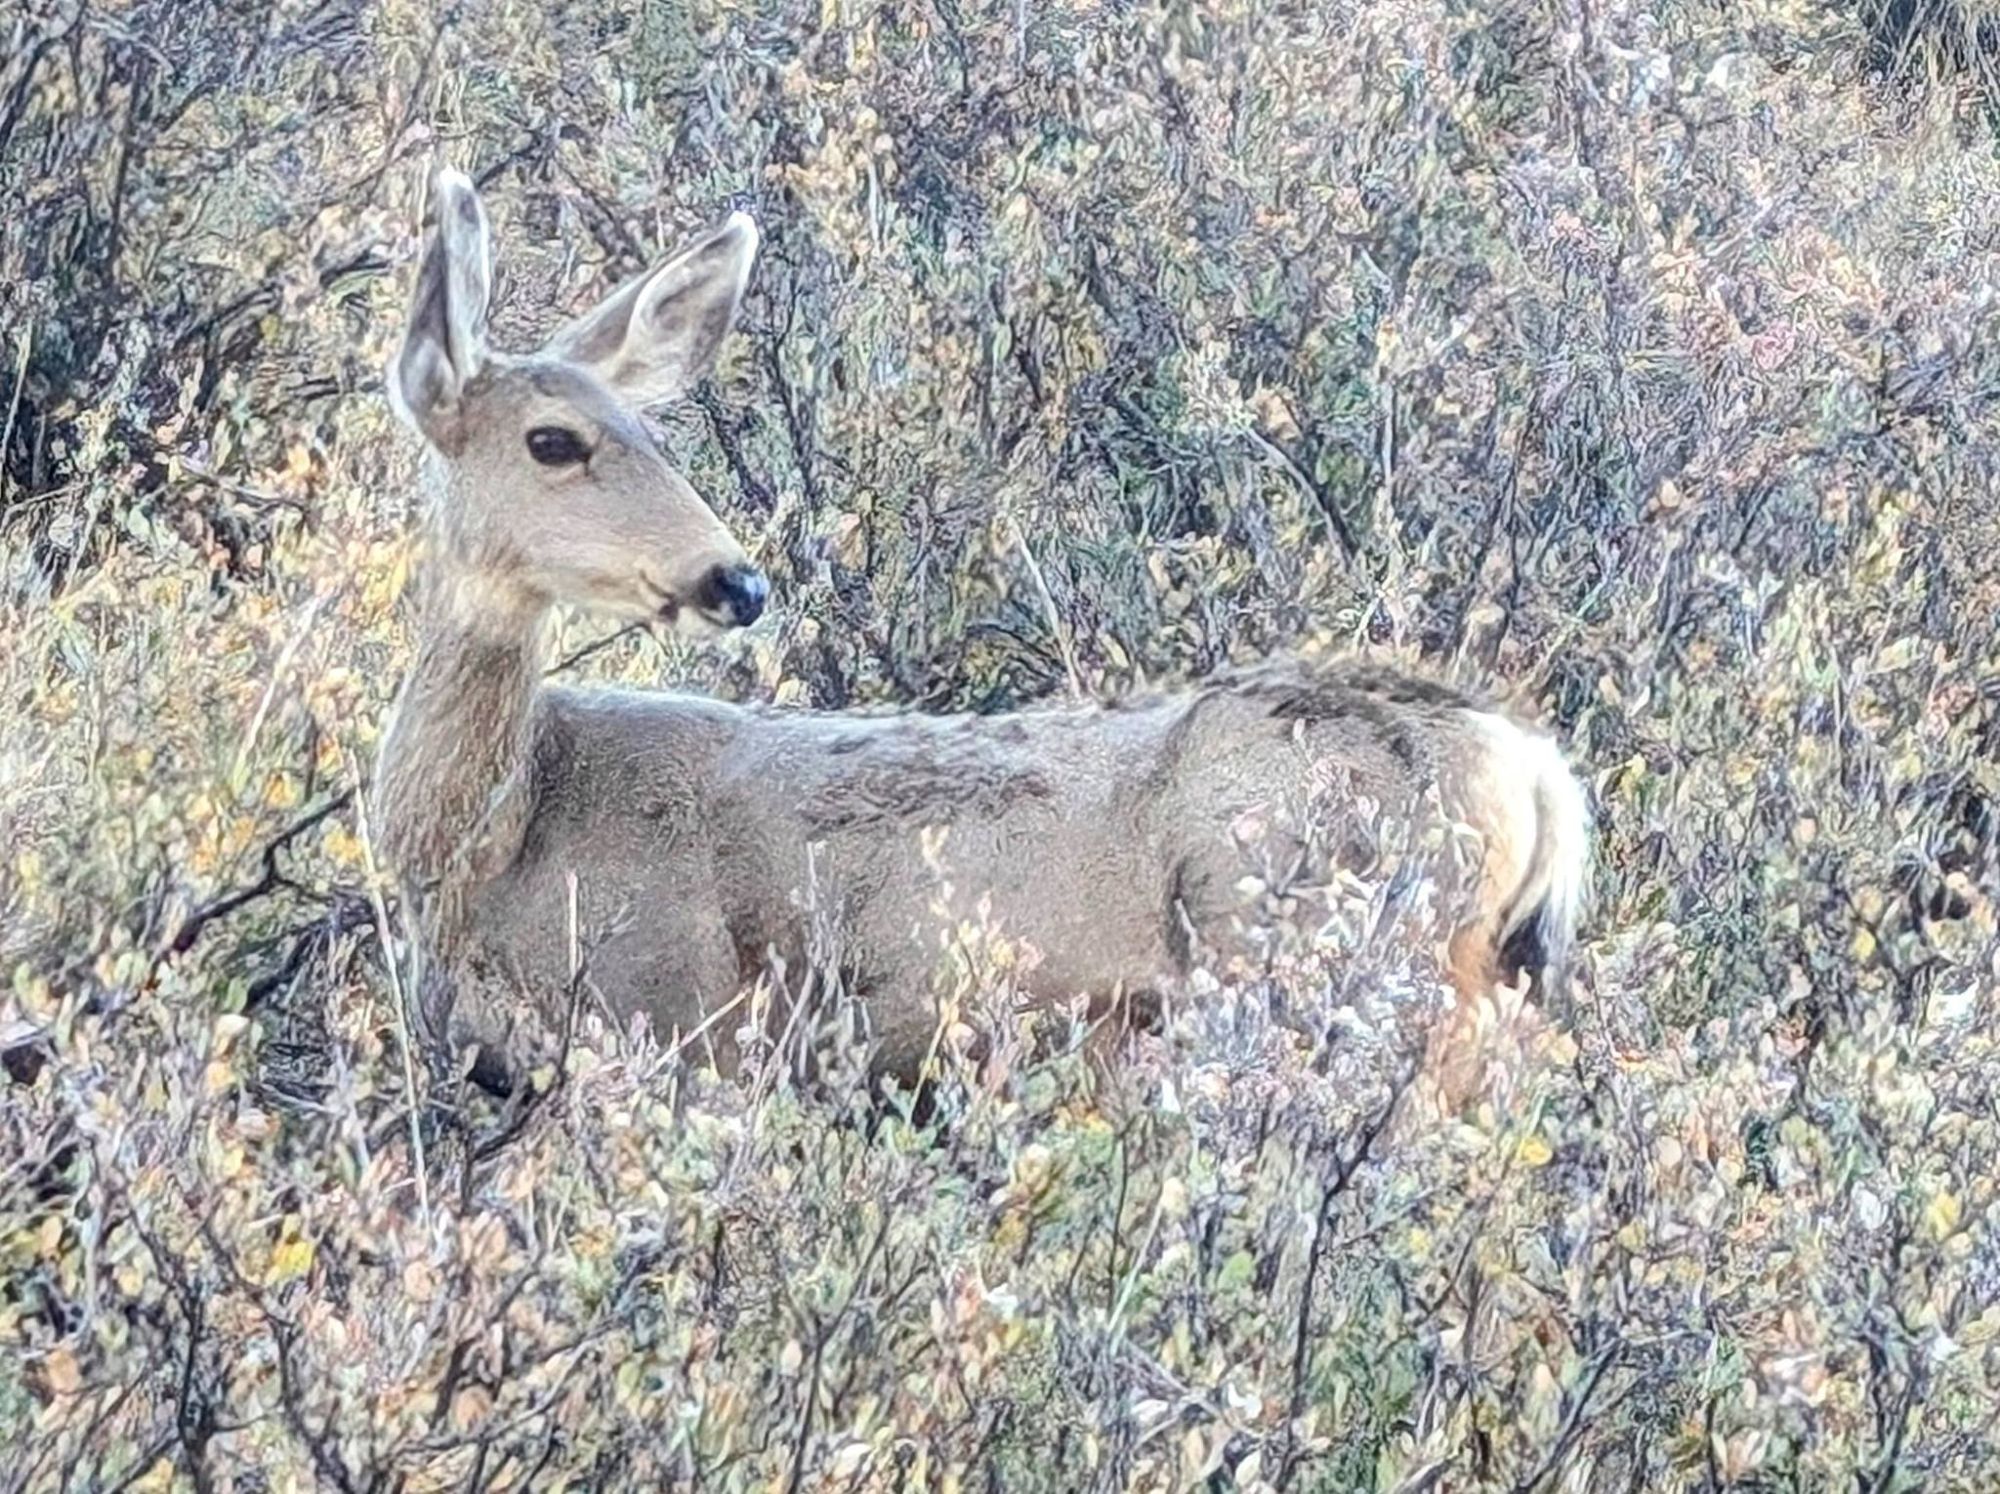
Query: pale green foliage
(1641,361)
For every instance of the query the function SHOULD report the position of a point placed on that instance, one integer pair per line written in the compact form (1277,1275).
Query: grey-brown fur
(698,833)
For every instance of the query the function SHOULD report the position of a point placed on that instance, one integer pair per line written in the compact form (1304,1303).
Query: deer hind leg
(1466,1046)
(1117,1024)
(1456,1052)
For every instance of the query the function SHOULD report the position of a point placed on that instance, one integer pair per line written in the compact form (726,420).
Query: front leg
(456,1018)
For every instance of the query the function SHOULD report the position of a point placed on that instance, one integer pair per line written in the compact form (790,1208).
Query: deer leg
(1452,1055)
(1116,1021)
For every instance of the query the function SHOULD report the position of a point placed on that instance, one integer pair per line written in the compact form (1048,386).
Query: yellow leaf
(61,1372)
(1194,1452)
(292,1259)
(1942,1215)
(1864,944)
(1981,1330)
(342,845)
(228,1028)
(1533,1152)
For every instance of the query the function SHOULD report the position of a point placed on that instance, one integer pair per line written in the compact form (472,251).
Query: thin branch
(271,879)
(597,647)
(1049,606)
(402,996)
(1572,1426)
(283,667)
(1336,522)
(1336,1186)
(253,496)
(14,405)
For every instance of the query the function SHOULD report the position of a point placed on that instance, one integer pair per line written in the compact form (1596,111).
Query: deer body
(671,845)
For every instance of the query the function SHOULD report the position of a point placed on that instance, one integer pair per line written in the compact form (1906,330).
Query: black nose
(738,592)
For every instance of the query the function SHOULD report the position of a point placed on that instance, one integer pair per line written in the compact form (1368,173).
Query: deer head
(555,490)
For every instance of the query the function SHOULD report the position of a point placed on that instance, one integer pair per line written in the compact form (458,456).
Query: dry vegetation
(1646,361)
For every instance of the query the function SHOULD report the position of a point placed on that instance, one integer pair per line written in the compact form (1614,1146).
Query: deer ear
(444,344)
(655,337)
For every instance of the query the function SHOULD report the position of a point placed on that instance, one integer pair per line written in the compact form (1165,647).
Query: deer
(672,835)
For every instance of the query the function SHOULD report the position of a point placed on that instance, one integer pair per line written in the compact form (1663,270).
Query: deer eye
(556,446)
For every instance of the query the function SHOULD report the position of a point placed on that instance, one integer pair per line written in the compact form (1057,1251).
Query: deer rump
(704,838)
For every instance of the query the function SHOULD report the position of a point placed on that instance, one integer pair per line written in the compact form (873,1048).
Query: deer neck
(455,788)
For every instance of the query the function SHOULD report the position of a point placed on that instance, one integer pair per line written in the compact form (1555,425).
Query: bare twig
(1345,1168)
(1049,606)
(1336,522)
(13,405)
(596,646)
(271,879)
(402,997)
(254,496)
(706,1023)
(1572,1426)
(278,671)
